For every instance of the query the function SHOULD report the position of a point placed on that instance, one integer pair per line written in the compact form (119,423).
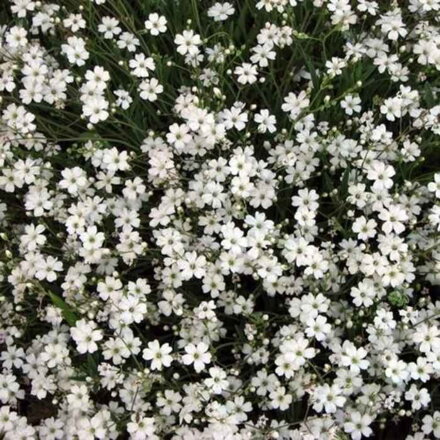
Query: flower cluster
(219,220)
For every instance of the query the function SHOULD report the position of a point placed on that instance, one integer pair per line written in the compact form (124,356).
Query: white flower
(280,399)
(91,238)
(187,42)
(318,328)
(47,268)
(109,26)
(431,424)
(364,293)
(392,108)
(353,357)
(170,402)
(78,397)
(221,11)
(142,429)
(156,24)
(75,22)
(86,334)
(128,41)
(75,50)
(328,398)
(435,186)
(141,65)
(396,370)
(428,337)
(149,89)
(178,136)
(197,355)
(381,174)
(247,73)
(392,24)
(393,219)
(124,99)
(158,354)
(364,228)
(74,179)
(265,121)
(294,354)
(95,108)
(419,398)
(33,237)
(294,104)
(351,104)
(16,37)
(217,381)
(358,425)
(192,265)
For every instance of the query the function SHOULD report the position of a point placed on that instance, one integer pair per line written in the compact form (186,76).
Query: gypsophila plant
(219,220)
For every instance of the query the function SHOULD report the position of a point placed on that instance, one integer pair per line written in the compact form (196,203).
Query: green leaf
(68,314)
(344,183)
(309,63)
(92,367)
(327,182)
(429,97)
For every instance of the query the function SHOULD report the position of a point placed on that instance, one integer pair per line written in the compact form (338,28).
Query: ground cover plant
(219,220)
